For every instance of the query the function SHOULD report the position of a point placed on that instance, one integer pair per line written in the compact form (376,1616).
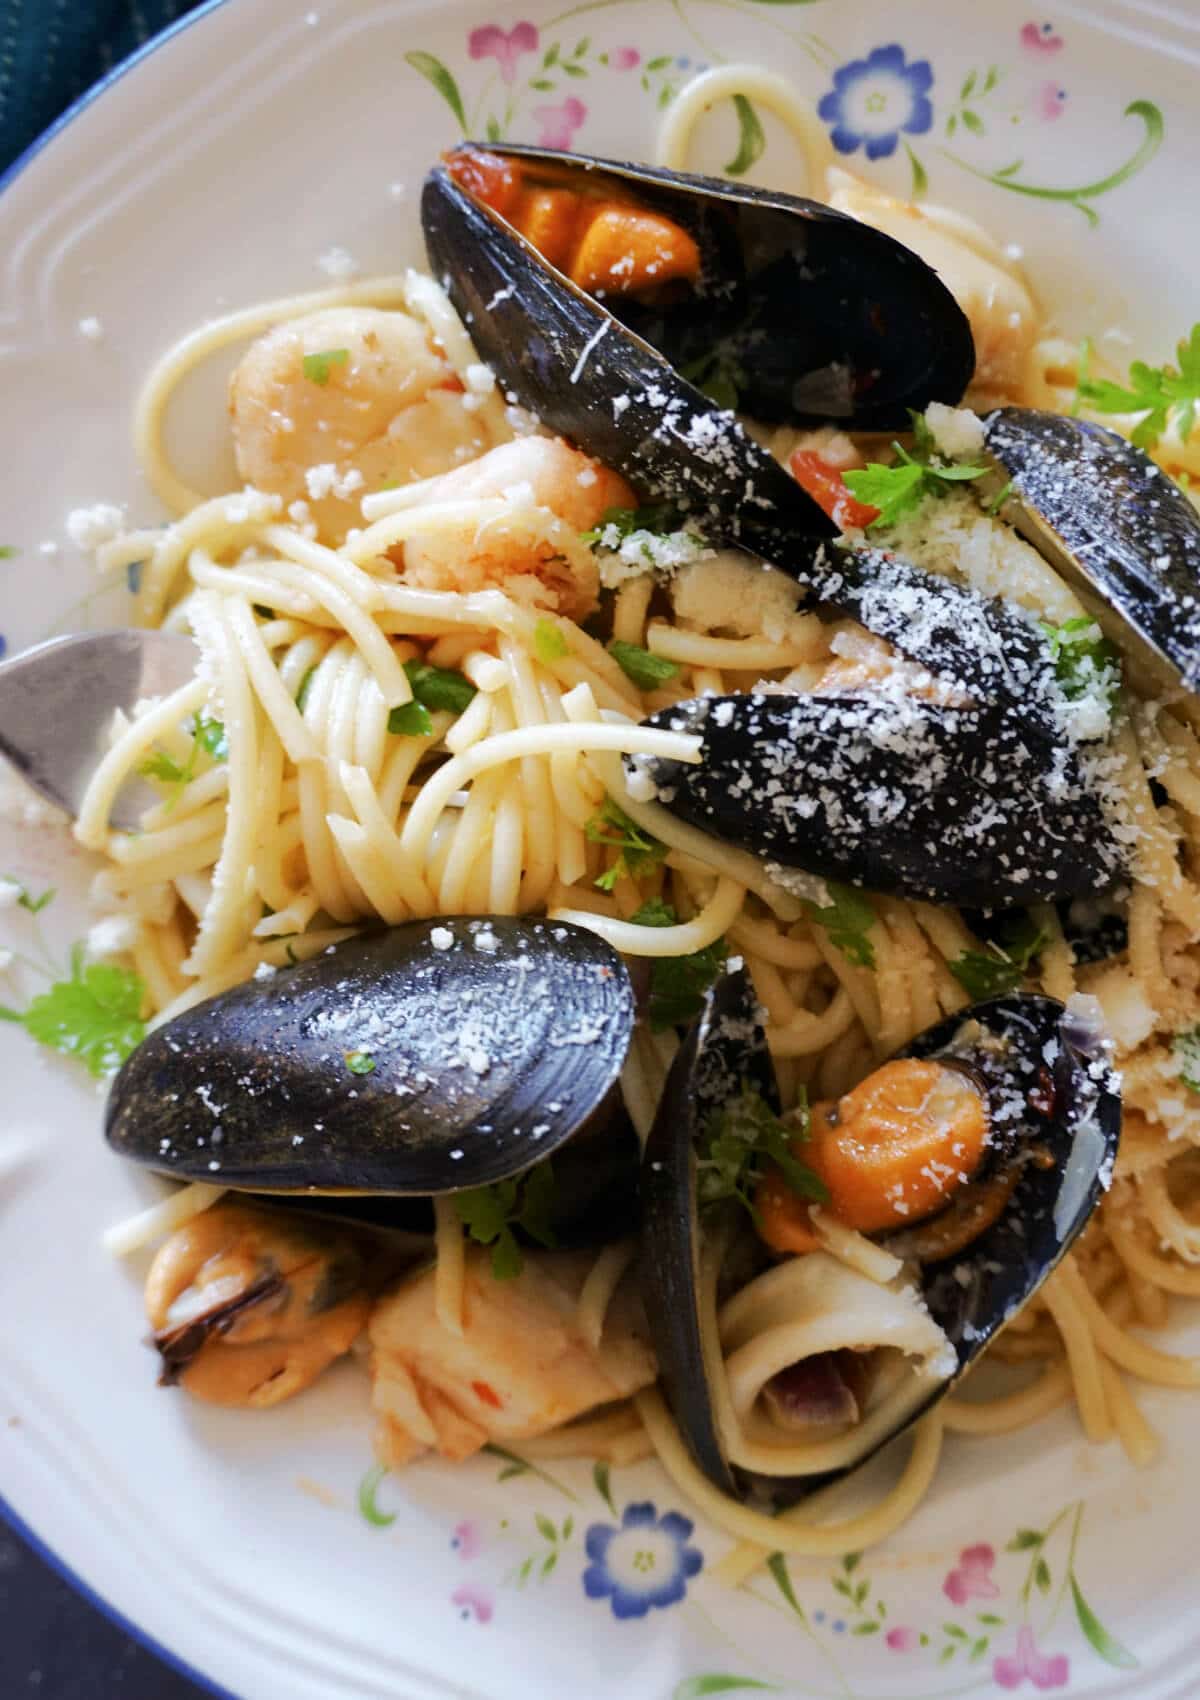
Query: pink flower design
(972,1579)
(625,58)
(473,1602)
(559,123)
(1040,38)
(467,1539)
(1043,1672)
(1049,100)
(903,1640)
(504,46)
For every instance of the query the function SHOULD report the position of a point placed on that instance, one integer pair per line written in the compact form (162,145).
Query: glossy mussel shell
(821,317)
(1115,525)
(1054,1118)
(491,1042)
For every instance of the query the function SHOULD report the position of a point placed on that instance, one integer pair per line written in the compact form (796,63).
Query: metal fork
(57,701)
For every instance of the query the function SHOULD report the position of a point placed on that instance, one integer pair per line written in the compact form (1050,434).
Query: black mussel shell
(563,355)
(594,1200)
(1054,1122)
(435,1056)
(1055,1110)
(808,314)
(725,1050)
(896,795)
(1113,523)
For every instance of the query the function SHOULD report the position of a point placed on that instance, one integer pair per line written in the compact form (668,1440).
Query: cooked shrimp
(532,552)
(248,1309)
(377,403)
(520,1367)
(984,281)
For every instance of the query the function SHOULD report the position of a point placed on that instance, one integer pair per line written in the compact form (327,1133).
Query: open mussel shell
(1114,525)
(1054,1114)
(725,1050)
(431,1057)
(564,356)
(893,794)
(810,315)
(1055,1109)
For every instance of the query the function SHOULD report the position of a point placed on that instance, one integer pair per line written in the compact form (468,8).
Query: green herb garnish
(916,474)
(360,1062)
(659,517)
(1186,1047)
(646,669)
(411,720)
(1084,659)
(677,983)
(550,641)
(439,687)
(317,366)
(1157,392)
(719,375)
(848,919)
(639,852)
(208,735)
(740,1141)
(490,1213)
(1002,966)
(95,1016)
(305,687)
(211,736)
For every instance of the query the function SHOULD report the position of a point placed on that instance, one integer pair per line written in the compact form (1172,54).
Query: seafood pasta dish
(665,916)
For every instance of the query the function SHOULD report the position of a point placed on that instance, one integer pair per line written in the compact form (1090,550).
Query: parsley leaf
(1083,658)
(95,1016)
(646,669)
(1003,965)
(740,1142)
(439,687)
(1156,392)
(164,768)
(317,366)
(638,851)
(616,524)
(211,737)
(677,983)
(208,735)
(900,489)
(848,919)
(411,720)
(1186,1047)
(550,641)
(360,1062)
(490,1213)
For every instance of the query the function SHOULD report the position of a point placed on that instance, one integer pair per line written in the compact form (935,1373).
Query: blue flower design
(643,1564)
(872,100)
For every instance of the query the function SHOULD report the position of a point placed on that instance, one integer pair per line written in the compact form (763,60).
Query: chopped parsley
(740,1142)
(207,735)
(639,852)
(411,720)
(317,367)
(439,687)
(616,524)
(1084,659)
(490,1213)
(848,919)
(915,475)
(1186,1047)
(211,737)
(719,375)
(550,641)
(646,669)
(360,1062)
(677,983)
(94,1016)
(1001,967)
(1162,394)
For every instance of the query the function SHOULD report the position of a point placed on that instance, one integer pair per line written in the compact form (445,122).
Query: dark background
(53,1644)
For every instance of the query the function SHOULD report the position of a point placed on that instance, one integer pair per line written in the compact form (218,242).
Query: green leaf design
(973,122)
(716,1682)
(1108,1647)
(548,1563)
(1041,1575)
(978,1649)
(1024,1539)
(953,1630)
(511,1470)
(545,1528)
(851,1562)
(752,140)
(543,85)
(951,124)
(920,177)
(865,1629)
(367,1489)
(1009,170)
(777,1565)
(436,73)
(600,1480)
(568,1529)
(493,129)
(968,88)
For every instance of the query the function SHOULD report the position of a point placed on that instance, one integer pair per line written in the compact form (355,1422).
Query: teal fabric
(52,51)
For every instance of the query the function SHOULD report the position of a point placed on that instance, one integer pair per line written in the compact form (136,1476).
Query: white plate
(216,172)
